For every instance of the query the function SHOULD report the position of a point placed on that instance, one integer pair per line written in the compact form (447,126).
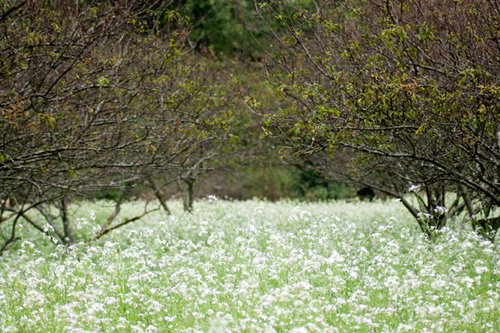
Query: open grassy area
(255,266)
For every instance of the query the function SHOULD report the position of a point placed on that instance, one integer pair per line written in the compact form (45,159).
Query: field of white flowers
(255,266)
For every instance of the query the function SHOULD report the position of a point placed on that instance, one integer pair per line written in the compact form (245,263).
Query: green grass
(255,266)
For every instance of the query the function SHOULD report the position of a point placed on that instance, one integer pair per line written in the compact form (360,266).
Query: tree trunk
(189,195)
(159,196)
(69,235)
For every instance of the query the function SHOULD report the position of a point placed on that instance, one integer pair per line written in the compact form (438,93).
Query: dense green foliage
(217,25)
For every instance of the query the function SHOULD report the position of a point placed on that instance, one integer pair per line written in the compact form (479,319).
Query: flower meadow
(254,266)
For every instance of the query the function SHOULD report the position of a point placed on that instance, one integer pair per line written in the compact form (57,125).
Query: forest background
(303,99)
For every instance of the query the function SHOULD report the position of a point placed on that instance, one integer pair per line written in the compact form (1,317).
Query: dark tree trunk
(159,196)
(189,195)
(69,235)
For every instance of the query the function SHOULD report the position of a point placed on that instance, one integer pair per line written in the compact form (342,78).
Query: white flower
(440,210)
(414,188)
(169,319)
(424,216)
(47,228)
(481,269)
(151,328)
(217,327)
(92,215)
(212,198)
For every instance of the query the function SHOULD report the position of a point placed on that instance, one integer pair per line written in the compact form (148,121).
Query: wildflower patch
(256,266)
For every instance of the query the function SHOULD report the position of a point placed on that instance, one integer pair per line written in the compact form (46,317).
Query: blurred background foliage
(275,182)
(218,27)
(229,28)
